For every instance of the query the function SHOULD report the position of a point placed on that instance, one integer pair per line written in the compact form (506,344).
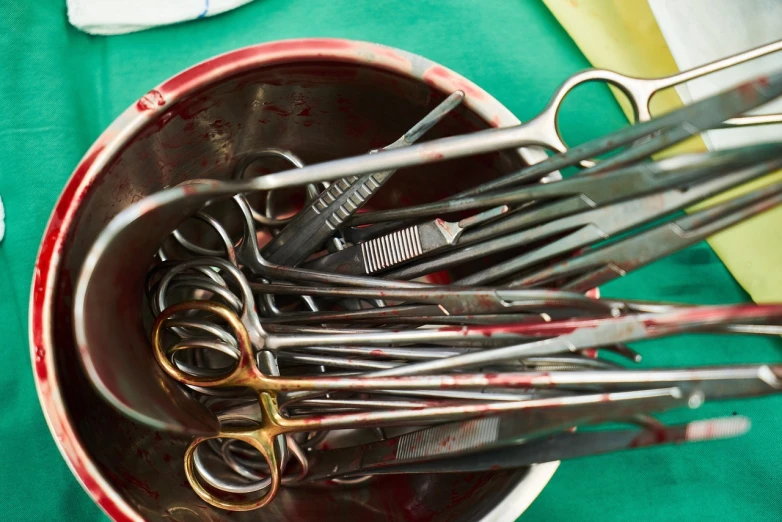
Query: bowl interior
(319,111)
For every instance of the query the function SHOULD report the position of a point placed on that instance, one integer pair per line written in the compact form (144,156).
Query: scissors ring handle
(252,157)
(638,91)
(241,373)
(545,126)
(258,439)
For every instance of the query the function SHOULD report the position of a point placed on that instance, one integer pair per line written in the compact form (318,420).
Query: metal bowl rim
(124,128)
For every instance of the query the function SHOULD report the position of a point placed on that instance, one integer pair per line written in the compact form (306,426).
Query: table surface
(60,88)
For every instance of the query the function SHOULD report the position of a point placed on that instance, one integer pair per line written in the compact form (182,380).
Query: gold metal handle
(244,371)
(257,438)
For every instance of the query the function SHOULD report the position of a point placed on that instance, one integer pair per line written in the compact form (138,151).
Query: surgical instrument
(570,445)
(601,265)
(572,335)
(274,424)
(599,188)
(604,223)
(310,227)
(401,246)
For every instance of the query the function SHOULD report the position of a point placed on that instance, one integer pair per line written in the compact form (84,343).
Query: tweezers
(601,265)
(307,231)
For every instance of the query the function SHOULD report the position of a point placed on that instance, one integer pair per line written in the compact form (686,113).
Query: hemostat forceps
(605,264)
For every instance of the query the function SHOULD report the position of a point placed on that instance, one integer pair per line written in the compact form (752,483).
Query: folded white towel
(700,31)
(126,16)
(2,220)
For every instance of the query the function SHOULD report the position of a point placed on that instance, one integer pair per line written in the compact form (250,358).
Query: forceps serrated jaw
(400,246)
(392,249)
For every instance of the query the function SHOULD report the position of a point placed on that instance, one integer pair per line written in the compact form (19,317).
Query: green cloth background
(59,88)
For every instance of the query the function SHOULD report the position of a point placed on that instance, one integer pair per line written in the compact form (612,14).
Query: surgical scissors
(246,373)
(601,265)
(273,424)
(490,433)
(506,333)
(460,301)
(319,220)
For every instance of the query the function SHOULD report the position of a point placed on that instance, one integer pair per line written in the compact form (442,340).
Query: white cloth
(2,220)
(701,31)
(126,16)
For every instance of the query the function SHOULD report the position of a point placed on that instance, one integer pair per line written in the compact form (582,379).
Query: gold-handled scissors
(274,424)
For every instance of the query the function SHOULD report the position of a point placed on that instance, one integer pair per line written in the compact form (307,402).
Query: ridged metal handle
(448,438)
(721,428)
(361,191)
(391,249)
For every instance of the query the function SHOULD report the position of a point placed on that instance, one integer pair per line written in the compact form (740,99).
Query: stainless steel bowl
(322,99)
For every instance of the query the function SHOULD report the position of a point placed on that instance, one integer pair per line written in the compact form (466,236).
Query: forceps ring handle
(243,373)
(639,91)
(545,126)
(256,438)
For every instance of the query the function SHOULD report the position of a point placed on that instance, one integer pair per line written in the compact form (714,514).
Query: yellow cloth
(622,35)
